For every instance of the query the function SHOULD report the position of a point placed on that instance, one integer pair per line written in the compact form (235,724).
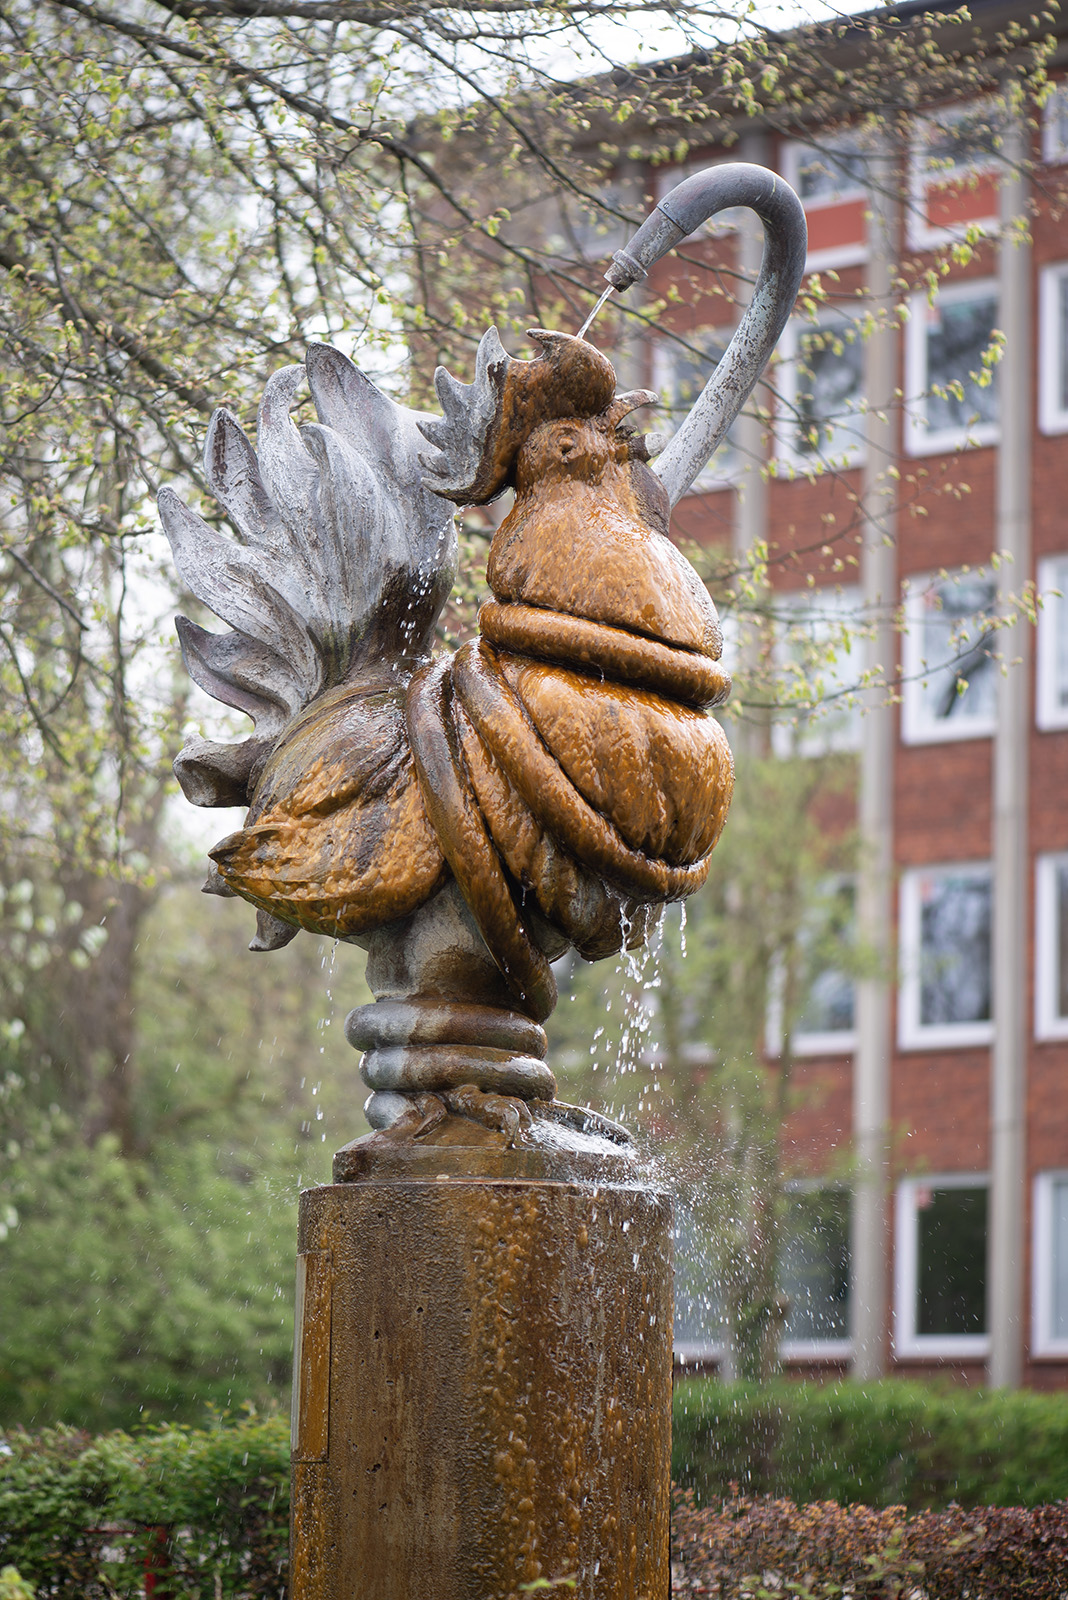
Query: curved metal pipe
(680,212)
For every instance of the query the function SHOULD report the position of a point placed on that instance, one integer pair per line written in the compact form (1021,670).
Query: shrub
(892,1443)
(81,1516)
(772,1548)
(208,1510)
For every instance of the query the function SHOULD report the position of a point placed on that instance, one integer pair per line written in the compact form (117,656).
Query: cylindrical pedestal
(482,1393)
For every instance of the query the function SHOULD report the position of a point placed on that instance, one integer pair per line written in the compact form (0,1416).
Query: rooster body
(562,769)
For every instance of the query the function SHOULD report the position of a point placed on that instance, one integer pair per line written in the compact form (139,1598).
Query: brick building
(950,1247)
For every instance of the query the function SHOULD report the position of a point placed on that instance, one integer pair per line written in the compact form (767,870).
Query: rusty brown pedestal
(483,1385)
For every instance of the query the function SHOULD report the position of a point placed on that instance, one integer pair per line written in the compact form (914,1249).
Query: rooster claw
(504,1112)
(422,1115)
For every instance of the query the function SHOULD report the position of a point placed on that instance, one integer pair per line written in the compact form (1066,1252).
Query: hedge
(891,1443)
(81,1516)
(775,1550)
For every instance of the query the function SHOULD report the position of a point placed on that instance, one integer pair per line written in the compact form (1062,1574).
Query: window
(1055,126)
(940,1267)
(950,369)
(831,179)
(813,1277)
(945,994)
(821,393)
(1050,1271)
(1053,349)
(1051,709)
(827,173)
(592,233)
(1051,947)
(827,1020)
(949,658)
(820,649)
(698,1334)
(681,368)
(814,1271)
(952,173)
(826,1016)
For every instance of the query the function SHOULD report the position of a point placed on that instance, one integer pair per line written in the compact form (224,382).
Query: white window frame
(711,477)
(1052,412)
(1050,716)
(1054,149)
(917,726)
(789,348)
(907,1343)
(912,1033)
(794,152)
(805,736)
(921,235)
(819,1349)
(840,1042)
(920,440)
(1048,1025)
(1043,1341)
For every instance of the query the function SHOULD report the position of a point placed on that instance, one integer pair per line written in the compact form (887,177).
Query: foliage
(887,1444)
(148,1285)
(13,1586)
(208,1507)
(80,1516)
(775,1550)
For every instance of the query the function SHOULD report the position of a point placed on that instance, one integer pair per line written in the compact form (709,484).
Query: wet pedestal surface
(483,1387)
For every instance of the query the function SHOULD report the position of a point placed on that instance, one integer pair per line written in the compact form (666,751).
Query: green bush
(890,1443)
(80,1516)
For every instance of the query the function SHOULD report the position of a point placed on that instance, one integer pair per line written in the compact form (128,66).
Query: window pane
(594,233)
(1061,336)
(958,334)
(1055,617)
(954,948)
(1056,121)
(1059,1264)
(834,170)
(685,373)
(830,386)
(957,649)
(829,1001)
(814,1265)
(961,140)
(698,1313)
(821,651)
(951,1251)
(1061,935)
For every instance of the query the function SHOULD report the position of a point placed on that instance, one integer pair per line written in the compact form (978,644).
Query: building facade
(907,472)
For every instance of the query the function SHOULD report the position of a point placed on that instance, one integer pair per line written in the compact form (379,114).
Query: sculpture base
(482,1389)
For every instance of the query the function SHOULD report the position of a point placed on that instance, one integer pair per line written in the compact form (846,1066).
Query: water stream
(582,331)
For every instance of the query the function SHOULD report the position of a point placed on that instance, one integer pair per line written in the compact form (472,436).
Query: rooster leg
(422,1115)
(505,1112)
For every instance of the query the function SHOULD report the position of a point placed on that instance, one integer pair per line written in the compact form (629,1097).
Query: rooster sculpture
(554,782)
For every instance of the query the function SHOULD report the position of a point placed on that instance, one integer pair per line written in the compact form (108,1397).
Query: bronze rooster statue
(554,782)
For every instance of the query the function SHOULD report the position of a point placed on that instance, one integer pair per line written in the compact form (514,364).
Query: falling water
(582,331)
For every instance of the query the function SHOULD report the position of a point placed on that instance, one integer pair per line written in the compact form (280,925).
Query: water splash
(582,331)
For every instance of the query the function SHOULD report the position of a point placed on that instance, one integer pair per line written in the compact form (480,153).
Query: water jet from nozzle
(582,331)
